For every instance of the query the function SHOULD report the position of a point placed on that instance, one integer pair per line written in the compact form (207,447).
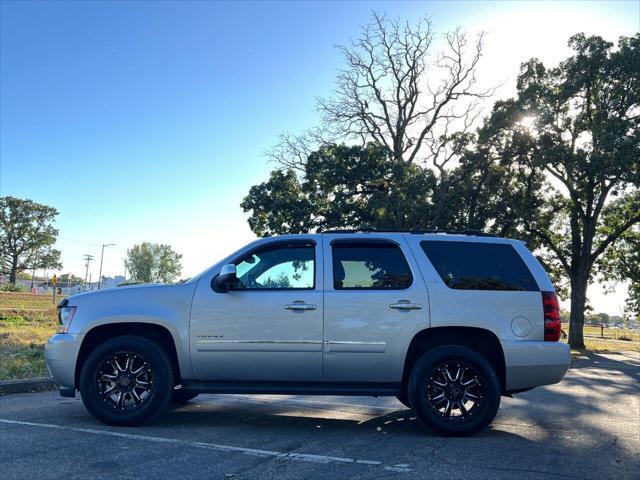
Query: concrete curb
(27,385)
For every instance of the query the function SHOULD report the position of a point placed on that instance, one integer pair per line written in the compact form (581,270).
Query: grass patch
(13,320)
(613,333)
(615,339)
(606,345)
(26,322)
(13,300)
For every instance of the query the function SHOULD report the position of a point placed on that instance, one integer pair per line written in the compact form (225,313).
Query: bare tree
(394,90)
(292,150)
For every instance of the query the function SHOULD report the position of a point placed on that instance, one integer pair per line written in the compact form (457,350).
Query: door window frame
(275,245)
(365,242)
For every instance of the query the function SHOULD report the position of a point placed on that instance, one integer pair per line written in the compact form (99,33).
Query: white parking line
(304,457)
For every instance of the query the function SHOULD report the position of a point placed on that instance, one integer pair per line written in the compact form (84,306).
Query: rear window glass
(372,266)
(479,266)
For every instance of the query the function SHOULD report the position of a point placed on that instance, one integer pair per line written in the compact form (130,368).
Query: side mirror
(226,278)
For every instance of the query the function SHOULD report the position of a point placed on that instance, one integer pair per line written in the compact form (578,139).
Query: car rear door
(480,282)
(268,328)
(375,301)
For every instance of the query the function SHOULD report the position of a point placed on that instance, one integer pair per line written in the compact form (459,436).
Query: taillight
(551,307)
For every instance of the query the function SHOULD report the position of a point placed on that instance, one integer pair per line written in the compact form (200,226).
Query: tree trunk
(14,270)
(578,302)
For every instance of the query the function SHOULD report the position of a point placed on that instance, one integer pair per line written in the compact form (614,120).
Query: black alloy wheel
(454,390)
(127,380)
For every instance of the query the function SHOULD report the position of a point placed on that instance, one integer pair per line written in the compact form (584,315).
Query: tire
(139,374)
(180,397)
(454,390)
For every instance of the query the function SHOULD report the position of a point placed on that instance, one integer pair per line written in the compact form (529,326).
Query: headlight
(65,315)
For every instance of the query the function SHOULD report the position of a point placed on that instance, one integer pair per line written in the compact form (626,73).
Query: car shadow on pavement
(286,415)
(284,421)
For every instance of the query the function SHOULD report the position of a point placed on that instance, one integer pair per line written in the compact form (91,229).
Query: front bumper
(535,363)
(61,353)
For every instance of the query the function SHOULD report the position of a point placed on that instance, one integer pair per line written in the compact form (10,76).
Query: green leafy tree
(27,236)
(342,186)
(153,263)
(577,124)
(351,186)
(621,263)
(69,279)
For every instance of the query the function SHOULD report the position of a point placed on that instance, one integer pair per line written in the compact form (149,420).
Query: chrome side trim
(312,342)
(216,345)
(354,346)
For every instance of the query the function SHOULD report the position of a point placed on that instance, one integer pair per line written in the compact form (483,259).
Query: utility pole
(125,270)
(101,257)
(88,259)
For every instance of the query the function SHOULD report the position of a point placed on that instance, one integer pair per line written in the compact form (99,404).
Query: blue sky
(148,120)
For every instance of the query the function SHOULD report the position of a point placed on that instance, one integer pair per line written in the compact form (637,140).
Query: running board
(295,388)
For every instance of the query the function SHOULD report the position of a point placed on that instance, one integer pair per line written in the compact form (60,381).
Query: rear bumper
(61,353)
(535,363)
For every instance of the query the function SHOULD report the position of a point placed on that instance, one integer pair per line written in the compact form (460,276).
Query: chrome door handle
(406,306)
(299,306)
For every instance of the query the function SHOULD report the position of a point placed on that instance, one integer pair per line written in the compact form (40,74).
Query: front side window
(287,266)
(369,265)
(479,266)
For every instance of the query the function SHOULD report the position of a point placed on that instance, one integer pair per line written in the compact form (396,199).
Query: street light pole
(101,257)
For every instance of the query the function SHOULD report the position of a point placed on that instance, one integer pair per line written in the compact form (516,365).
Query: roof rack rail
(477,233)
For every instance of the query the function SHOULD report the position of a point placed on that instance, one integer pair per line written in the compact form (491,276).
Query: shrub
(10,287)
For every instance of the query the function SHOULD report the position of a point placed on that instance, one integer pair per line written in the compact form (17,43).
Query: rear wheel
(454,390)
(126,380)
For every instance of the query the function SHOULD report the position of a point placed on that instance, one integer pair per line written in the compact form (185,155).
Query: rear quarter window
(479,266)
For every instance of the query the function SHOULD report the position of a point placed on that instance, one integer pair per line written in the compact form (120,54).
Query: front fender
(167,306)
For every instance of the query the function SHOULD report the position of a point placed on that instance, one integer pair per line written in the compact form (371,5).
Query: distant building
(112,282)
(41,285)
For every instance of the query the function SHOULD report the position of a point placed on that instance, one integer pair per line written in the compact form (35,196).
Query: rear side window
(479,266)
(369,266)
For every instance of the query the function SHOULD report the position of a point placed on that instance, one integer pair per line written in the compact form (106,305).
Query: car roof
(475,233)
(361,234)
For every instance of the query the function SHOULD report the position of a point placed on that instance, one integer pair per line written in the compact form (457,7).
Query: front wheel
(454,390)
(126,380)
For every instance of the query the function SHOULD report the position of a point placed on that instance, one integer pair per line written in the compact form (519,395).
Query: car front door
(375,302)
(269,326)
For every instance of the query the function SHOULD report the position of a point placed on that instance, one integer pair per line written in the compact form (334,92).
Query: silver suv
(447,323)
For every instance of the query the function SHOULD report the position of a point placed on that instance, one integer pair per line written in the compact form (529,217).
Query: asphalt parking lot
(586,427)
